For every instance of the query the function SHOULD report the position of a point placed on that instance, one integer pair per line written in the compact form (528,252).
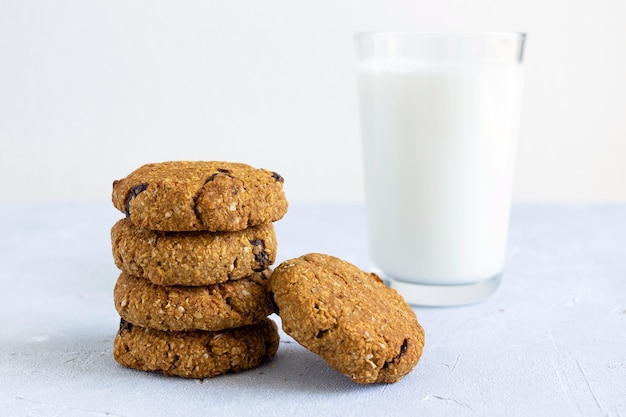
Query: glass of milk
(439,121)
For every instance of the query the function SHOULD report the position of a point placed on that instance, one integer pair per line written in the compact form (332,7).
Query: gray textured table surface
(551,341)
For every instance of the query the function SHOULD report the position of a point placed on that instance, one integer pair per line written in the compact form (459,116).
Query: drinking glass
(439,120)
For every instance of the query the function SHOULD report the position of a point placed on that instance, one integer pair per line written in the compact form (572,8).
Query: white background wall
(90,90)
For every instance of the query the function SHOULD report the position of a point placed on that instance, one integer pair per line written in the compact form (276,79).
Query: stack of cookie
(195,250)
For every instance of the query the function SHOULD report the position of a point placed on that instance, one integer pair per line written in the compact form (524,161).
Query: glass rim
(399,34)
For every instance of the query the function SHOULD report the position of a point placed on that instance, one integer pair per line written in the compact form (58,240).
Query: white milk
(439,146)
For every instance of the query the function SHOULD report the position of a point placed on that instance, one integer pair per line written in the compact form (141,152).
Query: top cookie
(200,195)
(361,327)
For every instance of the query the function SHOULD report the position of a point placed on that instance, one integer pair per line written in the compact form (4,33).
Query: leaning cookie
(362,328)
(192,258)
(200,195)
(195,354)
(179,308)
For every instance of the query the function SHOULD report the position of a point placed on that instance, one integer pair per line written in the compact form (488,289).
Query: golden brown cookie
(192,258)
(195,354)
(362,328)
(200,195)
(178,308)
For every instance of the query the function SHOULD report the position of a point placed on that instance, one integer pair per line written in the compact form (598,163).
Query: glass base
(429,295)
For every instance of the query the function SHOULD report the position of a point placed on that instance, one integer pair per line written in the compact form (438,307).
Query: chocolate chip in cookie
(196,354)
(361,327)
(179,308)
(200,195)
(192,258)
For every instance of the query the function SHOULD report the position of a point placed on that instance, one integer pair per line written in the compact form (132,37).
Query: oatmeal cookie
(200,195)
(192,258)
(195,354)
(179,308)
(362,328)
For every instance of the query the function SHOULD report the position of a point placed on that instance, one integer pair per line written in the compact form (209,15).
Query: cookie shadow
(86,362)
